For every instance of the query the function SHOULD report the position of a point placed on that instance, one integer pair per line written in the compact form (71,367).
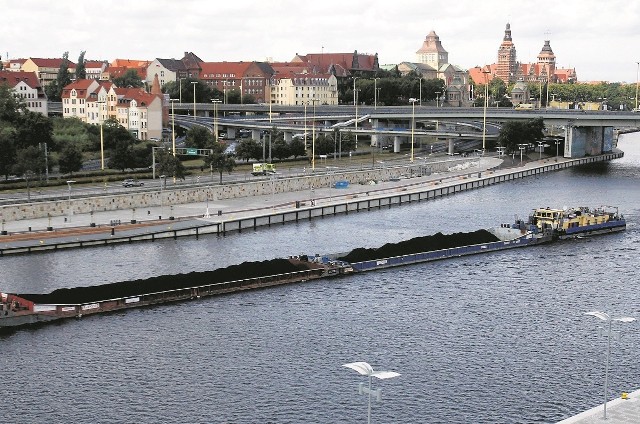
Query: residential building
(119,67)
(94,102)
(47,69)
(342,65)
(250,78)
(75,97)
(95,68)
(168,70)
(292,85)
(26,86)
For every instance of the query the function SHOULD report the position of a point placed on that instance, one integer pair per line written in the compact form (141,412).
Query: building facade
(26,86)
(47,69)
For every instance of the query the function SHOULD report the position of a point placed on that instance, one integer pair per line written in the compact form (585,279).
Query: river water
(496,338)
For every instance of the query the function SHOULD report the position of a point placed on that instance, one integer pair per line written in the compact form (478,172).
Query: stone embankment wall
(201,193)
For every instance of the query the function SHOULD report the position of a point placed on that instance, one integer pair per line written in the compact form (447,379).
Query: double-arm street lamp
(375,93)
(606,318)
(364,368)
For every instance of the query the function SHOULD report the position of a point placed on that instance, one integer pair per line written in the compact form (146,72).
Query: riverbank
(242,213)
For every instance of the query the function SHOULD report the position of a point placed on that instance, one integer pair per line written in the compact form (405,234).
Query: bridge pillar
(375,141)
(231,133)
(451,147)
(255,135)
(288,136)
(583,141)
(396,143)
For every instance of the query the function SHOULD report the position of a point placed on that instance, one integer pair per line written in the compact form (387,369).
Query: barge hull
(448,253)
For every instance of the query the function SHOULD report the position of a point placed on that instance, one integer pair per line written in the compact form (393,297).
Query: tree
(29,159)
(7,147)
(200,138)
(280,149)
(81,70)
(54,90)
(121,156)
(513,133)
(248,149)
(296,148)
(219,161)
(32,129)
(167,164)
(129,79)
(70,159)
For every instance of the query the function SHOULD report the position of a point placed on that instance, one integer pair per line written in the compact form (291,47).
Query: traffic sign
(191,151)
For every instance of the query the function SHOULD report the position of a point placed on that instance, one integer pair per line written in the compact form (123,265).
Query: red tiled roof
(478,75)
(139,95)
(223,68)
(14,78)
(51,63)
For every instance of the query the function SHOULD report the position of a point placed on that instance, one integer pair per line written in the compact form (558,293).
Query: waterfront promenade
(235,214)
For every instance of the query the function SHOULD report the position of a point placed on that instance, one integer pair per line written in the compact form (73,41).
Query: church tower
(432,53)
(546,63)
(507,65)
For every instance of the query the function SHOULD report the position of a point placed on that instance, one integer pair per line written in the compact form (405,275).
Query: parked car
(130,182)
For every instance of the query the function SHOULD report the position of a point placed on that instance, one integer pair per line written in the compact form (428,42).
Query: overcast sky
(600,39)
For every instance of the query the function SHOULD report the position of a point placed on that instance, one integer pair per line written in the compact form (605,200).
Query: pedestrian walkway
(619,411)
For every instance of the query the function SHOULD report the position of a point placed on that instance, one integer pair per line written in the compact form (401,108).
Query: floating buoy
(625,395)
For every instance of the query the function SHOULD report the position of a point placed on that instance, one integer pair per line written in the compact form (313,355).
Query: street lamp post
(521,147)
(637,75)
(420,94)
(173,126)
(484,114)
(437,98)
(100,103)
(313,136)
(69,199)
(413,122)
(540,146)
(215,118)
(605,317)
(355,103)
(194,99)
(364,368)
(180,88)
(557,146)
(375,93)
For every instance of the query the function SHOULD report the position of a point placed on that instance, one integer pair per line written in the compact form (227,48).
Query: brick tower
(507,65)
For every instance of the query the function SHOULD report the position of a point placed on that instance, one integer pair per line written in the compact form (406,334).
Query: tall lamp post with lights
(637,75)
(173,126)
(355,103)
(375,93)
(215,118)
(413,123)
(194,98)
(484,113)
(313,135)
(607,319)
(100,106)
(364,368)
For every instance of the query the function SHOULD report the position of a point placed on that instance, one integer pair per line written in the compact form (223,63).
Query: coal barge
(543,226)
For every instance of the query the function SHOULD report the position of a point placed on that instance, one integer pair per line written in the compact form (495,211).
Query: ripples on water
(496,338)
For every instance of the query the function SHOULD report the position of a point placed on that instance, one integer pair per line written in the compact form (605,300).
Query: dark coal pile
(437,241)
(165,282)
